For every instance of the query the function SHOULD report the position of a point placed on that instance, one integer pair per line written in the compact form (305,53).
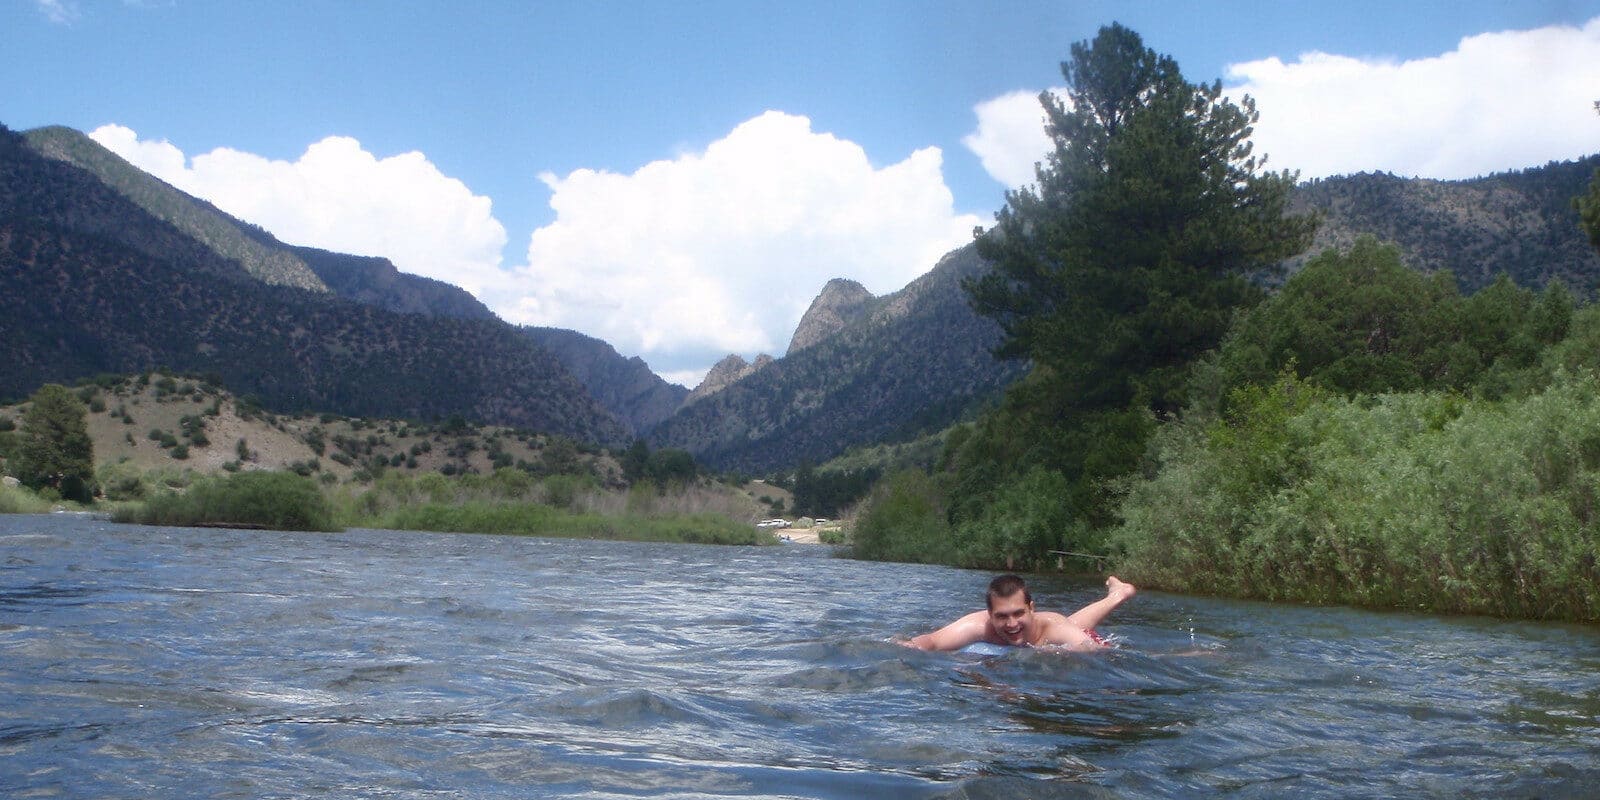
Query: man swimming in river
(1010,620)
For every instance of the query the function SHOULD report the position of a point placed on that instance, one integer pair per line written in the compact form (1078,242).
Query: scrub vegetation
(509,501)
(276,500)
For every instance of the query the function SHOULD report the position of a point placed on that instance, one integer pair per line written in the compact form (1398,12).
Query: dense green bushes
(1408,500)
(277,500)
(508,501)
(904,521)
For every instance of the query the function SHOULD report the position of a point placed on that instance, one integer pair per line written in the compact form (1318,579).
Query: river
(173,662)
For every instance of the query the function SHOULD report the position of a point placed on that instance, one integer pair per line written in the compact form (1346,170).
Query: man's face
(1012,618)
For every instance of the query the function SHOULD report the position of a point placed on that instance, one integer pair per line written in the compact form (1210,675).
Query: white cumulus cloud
(1498,101)
(337,196)
(1010,139)
(721,251)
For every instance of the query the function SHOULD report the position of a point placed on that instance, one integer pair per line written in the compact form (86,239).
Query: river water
(171,662)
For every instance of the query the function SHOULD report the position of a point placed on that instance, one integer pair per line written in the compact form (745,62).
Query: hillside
(624,386)
(159,430)
(912,362)
(1520,223)
(157,422)
(375,282)
(198,219)
(90,282)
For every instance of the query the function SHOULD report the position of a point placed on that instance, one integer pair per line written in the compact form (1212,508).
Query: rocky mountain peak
(841,302)
(725,373)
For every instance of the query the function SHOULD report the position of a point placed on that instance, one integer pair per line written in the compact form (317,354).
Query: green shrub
(276,500)
(1028,518)
(904,521)
(122,482)
(1418,500)
(562,491)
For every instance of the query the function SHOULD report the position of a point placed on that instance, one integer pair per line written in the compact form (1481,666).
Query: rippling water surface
(168,662)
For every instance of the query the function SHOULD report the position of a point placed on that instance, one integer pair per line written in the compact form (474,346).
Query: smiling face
(1011,617)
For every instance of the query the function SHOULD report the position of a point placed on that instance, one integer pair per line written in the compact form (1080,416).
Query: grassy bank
(532,519)
(508,501)
(17,500)
(511,501)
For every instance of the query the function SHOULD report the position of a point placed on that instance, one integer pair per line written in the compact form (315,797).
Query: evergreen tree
(1588,205)
(54,449)
(1124,263)
(1127,259)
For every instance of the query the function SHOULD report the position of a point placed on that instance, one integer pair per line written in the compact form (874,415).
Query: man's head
(1010,609)
(1006,586)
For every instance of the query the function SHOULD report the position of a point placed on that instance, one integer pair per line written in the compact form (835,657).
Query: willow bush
(1028,518)
(1413,500)
(276,500)
(904,520)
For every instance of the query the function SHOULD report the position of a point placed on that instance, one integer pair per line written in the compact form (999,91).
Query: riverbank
(508,502)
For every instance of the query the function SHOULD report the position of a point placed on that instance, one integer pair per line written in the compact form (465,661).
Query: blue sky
(680,178)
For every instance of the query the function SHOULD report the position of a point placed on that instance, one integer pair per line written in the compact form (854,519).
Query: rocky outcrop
(841,303)
(912,363)
(726,373)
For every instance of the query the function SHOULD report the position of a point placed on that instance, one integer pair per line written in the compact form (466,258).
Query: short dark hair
(1005,586)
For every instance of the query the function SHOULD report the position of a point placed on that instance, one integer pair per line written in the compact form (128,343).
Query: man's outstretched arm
(954,636)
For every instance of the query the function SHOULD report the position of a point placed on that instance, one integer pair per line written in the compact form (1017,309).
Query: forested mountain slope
(201,221)
(626,386)
(912,362)
(91,282)
(1521,223)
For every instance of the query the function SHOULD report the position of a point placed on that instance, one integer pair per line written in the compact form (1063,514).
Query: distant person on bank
(1011,621)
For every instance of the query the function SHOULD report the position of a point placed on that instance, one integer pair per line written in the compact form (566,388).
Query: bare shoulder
(1056,629)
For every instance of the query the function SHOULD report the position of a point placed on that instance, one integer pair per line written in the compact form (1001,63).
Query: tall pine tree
(1124,263)
(1129,257)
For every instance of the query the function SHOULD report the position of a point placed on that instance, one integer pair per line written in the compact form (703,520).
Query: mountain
(91,281)
(906,363)
(201,221)
(1521,223)
(624,386)
(375,282)
(841,302)
(730,370)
